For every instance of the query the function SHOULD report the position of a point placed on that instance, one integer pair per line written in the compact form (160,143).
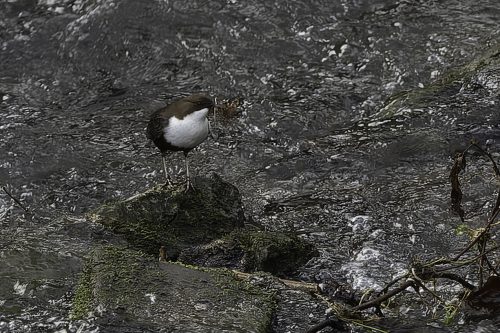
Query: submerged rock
(253,250)
(127,288)
(203,228)
(478,77)
(169,217)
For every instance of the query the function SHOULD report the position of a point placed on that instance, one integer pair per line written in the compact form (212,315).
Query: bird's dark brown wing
(186,105)
(158,121)
(199,101)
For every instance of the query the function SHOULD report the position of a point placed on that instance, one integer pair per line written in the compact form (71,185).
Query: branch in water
(15,199)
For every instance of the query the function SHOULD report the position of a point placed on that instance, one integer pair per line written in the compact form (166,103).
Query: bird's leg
(169,181)
(213,135)
(189,185)
(215,107)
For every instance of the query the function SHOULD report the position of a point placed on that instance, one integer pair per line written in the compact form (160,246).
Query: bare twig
(484,152)
(420,273)
(456,191)
(482,246)
(475,240)
(331,322)
(456,278)
(393,282)
(305,286)
(384,297)
(490,266)
(421,284)
(466,262)
(15,199)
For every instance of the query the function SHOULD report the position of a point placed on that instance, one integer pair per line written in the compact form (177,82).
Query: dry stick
(497,204)
(458,166)
(481,237)
(429,272)
(486,229)
(497,172)
(481,246)
(390,284)
(496,209)
(15,199)
(305,286)
(456,278)
(378,300)
(491,267)
(334,323)
(467,262)
(421,284)
(485,258)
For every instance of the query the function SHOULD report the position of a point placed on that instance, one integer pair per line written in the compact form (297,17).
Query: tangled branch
(419,273)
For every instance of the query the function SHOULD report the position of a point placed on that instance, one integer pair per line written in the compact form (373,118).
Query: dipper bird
(180,126)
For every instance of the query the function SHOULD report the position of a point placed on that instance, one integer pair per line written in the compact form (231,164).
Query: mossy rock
(442,89)
(253,250)
(167,216)
(126,287)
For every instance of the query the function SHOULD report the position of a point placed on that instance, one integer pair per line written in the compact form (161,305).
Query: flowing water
(78,80)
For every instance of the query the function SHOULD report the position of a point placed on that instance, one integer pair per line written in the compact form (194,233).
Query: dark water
(78,80)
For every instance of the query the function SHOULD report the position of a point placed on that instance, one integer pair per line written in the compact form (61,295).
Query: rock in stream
(126,286)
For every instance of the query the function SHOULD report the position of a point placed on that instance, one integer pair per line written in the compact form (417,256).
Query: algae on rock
(174,219)
(126,285)
(446,87)
(252,250)
(204,228)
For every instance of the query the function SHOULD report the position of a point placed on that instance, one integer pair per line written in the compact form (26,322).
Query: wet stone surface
(251,250)
(133,293)
(171,217)
(317,148)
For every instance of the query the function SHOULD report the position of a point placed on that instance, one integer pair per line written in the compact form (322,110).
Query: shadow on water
(78,80)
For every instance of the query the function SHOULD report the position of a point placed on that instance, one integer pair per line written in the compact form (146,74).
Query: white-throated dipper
(180,126)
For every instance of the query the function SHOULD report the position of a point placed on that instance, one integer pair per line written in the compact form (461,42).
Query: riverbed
(308,149)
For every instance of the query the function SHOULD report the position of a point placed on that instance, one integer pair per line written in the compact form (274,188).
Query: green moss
(11,310)
(253,250)
(274,252)
(447,86)
(120,278)
(115,266)
(82,300)
(174,219)
(227,279)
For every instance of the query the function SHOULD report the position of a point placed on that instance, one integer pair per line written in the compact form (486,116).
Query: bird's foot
(168,182)
(189,186)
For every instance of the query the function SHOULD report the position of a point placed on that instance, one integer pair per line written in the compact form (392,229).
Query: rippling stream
(79,79)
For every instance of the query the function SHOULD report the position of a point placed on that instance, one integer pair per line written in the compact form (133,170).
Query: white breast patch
(188,132)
